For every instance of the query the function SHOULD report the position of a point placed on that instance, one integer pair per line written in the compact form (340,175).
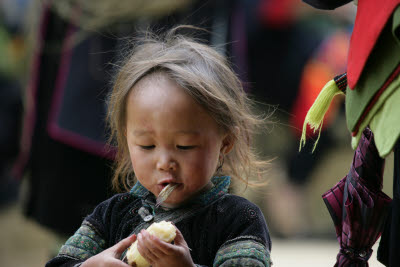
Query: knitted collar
(221,186)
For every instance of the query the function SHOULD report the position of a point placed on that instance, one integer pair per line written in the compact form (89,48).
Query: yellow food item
(163,230)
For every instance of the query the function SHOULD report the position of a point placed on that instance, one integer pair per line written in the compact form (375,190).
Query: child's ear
(228,142)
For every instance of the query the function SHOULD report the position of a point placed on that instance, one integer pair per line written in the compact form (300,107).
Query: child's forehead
(158,86)
(160,102)
(151,78)
(159,91)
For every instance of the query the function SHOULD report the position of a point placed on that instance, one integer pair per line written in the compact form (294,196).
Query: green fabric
(386,125)
(84,243)
(395,25)
(383,120)
(243,253)
(383,60)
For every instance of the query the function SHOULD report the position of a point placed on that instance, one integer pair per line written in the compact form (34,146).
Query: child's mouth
(164,184)
(161,186)
(165,192)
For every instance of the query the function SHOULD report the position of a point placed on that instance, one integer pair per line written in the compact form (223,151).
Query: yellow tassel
(315,115)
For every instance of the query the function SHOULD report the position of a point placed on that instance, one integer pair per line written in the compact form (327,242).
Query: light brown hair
(206,76)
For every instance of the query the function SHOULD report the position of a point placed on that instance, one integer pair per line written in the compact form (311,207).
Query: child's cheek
(139,159)
(202,162)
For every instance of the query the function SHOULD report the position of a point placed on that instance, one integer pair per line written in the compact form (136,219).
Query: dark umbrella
(357,205)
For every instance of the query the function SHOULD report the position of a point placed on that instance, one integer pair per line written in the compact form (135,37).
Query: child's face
(171,139)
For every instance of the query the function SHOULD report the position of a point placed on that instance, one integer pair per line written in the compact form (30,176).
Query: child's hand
(110,257)
(159,253)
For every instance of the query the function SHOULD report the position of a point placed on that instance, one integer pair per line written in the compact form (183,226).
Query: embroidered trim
(139,190)
(83,244)
(243,253)
(220,188)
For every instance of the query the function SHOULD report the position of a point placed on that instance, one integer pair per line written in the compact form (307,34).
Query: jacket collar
(221,186)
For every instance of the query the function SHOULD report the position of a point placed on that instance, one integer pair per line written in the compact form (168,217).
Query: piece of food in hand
(163,230)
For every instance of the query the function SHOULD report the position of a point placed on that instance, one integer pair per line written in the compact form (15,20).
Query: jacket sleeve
(90,239)
(247,238)
(85,243)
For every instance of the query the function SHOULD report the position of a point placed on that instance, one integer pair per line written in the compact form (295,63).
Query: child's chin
(170,204)
(174,201)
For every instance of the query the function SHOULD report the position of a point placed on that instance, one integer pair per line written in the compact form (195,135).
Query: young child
(179,116)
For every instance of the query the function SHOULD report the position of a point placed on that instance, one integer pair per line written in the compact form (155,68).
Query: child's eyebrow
(141,132)
(186,132)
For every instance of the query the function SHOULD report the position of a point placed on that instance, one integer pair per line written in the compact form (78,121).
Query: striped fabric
(341,82)
(357,205)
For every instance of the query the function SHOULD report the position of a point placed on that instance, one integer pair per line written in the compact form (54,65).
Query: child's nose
(166,163)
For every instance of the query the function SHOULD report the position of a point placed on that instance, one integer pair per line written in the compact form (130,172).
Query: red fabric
(372,16)
(277,13)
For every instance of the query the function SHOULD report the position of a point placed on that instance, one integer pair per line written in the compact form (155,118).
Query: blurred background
(57,62)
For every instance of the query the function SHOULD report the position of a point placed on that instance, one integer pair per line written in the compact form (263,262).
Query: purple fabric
(357,205)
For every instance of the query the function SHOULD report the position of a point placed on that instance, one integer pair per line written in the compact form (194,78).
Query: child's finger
(179,239)
(159,247)
(122,245)
(145,247)
(118,263)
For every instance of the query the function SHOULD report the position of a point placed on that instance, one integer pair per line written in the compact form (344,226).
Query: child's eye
(185,147)
(148,147)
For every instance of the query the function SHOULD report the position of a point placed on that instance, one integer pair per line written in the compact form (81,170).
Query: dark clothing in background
(277,57)
(389,246)
(65,183)
(10,119)
(10,129)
